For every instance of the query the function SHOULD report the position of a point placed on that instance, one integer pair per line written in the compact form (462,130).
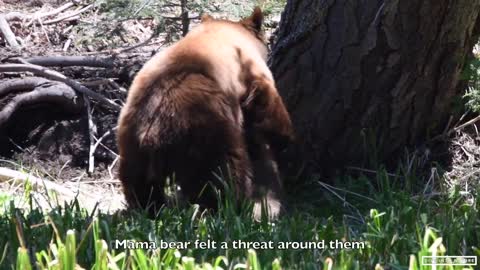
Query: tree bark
(370,78)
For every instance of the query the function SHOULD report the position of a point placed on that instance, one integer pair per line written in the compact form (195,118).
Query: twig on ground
(67,29)
(117,86)
(78,178)
(57,76)
(109,150)
(462,126)
(102,182)
(15,16)
(456,128)
(117,51)
(68,16)
(91,136)
(38,16)
(96,82)
(7,174)
(63,167)
(68,61)
(18,146)
(110,167)
(67,44)
(44,31)
(135,46)
(99,140)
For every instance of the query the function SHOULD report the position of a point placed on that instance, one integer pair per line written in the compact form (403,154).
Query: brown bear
(186,116)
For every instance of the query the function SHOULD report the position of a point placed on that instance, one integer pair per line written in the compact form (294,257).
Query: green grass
(396,228)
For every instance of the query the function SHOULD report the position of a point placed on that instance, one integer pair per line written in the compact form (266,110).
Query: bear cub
(206,103)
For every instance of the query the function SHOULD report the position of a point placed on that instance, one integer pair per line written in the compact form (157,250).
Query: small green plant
(472,97)
(397,227)
(472,75)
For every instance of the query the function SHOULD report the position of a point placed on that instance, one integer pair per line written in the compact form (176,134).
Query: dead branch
(15,16)
(68,16)
(117,51)
(456,129)
(176,18)
(468,123)
(57,76)
(67,44)
(110,167)
(91,136)
(8,174)
(38,17)
(48,92)
(8,33)
(68,61)
(20,84)
(135,46)
(99,140)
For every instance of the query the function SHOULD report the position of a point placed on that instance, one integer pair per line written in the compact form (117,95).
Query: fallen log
(68,61)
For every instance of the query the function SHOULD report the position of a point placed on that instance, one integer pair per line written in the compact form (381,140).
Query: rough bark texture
(371,77)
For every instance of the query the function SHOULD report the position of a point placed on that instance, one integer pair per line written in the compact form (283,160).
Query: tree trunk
(363,78)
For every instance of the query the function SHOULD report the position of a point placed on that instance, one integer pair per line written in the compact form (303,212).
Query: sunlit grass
(396,226)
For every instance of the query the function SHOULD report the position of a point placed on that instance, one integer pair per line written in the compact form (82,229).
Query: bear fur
(209,101)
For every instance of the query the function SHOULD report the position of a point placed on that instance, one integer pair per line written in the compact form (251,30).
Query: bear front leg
(267,181)
(239,165)
(266,113)
(212,158)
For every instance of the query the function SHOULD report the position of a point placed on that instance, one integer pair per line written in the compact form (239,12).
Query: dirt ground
(46,142)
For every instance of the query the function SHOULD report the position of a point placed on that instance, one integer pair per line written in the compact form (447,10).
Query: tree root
(57,76)
(20,84)
(44,92)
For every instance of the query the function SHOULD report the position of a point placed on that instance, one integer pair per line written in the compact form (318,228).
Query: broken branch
(7,174)
(68,16)
(57,76)
(8,33)
(37,17)
(91,136)
(67,61)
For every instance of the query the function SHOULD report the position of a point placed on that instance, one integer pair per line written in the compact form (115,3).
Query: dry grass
(102,194)
(465,151)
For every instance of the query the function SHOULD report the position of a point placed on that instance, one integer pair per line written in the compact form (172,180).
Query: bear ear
(255,20)
(205,18)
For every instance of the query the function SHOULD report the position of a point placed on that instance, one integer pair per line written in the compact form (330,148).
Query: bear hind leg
(142,191)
